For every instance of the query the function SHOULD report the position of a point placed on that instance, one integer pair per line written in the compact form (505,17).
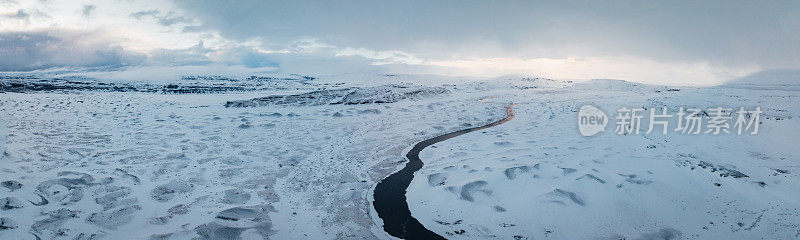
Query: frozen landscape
(299,158)
(413,119)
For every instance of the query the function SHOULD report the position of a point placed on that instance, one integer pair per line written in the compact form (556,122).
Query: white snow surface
(136,165)
(535,177)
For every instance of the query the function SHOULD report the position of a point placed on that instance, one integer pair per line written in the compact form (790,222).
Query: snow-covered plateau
(298,157)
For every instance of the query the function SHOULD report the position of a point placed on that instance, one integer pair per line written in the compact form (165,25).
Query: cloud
(381,57)
(192,56)
(20,14)
(200,55)
(248,57)
(167,19)
(728,34)
(8,2)
(26,51)
(647,41)
(140,14)
(87,10)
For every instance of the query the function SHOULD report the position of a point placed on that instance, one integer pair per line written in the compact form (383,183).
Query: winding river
(390,193)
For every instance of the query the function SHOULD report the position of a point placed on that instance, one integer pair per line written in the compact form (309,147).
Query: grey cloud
(28,51)
(248,57)
(192,56)
(198,55)
(167,19)
(140,14)
(87,10)
(25,51)
(193,28)
(21,14)
(721,32)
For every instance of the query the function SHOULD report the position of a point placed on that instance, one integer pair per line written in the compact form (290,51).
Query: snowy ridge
(785,80)
(347,96)
(187,84)
(612,85)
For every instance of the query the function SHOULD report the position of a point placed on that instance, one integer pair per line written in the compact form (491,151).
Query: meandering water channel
(390,193)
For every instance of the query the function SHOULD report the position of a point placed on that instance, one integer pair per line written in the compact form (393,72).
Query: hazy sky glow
(647,41)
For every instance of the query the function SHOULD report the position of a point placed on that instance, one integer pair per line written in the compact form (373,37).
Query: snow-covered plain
(535,177)
(83,164)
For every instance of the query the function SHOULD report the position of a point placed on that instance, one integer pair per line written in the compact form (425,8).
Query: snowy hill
(768,80)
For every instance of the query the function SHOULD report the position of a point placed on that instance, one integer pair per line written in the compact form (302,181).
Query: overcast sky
(646,41)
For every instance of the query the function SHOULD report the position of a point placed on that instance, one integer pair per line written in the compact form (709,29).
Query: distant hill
(788,79)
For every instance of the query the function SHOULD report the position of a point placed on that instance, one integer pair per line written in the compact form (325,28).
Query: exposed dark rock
(11,185)
(10,203)
(7,223)
(724,171)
